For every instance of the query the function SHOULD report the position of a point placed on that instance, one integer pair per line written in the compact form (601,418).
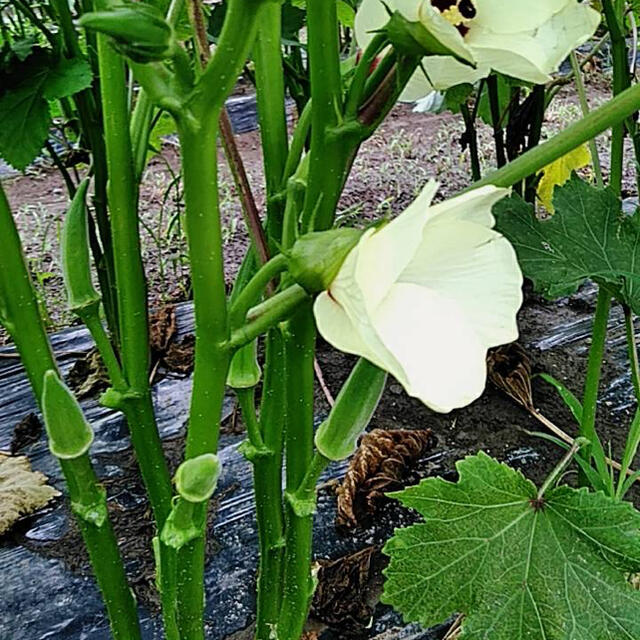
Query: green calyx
(412,39)
(196,478)
(315,258)
(94,513)
(70,435)
(139,31)
(76,261)
(182,525)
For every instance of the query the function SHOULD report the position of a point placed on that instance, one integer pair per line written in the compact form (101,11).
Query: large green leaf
(24,110)
(515,566)
(587,237)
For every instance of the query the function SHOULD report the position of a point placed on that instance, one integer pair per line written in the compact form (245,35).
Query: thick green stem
(199,161)
(267,479)
(599,120)
(298,583)
(269,79)
(326,170)
(20,316)
(621,81)
(132,305)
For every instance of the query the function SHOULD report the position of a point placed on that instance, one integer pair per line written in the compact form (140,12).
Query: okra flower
(523,39)
(427,295)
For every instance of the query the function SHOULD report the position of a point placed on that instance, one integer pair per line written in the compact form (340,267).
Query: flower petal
(473,206)
(439,27)
(533,55)
(438,349)
(342,314)
(516,15)
(476,268)
(384,254)
(371,16)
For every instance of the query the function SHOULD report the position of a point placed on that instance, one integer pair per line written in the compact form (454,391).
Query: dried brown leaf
(26,432)
(22,491)
(179,356)
(162,328)
(509,368)
(379,465)
(88,376)
(343,596)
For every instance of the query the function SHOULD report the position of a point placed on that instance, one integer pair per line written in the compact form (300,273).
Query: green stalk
(621,81)
(90,125)
(19,313)
(212,358)
(327,152)
(298,583)
(599,120)
(269,79)
(267,479)
(268,314)
(132,305)
(592,383)
(584,106)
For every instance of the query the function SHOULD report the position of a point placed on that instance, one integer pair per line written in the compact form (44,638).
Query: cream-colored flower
(523,39)
(427,295)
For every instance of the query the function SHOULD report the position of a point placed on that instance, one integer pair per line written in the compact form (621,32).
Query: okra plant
(414,298)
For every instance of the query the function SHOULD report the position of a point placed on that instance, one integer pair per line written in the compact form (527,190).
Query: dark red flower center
(458,12)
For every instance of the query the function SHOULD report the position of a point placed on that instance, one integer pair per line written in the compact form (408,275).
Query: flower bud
(70,436)
(76,263)
(196,478)
(244,371)
(139,31)
(316,258)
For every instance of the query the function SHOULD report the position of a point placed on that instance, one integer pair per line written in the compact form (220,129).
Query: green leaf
(587,237)
(346,14)
(67,77)
(25,117)
(516,568)
(24,122)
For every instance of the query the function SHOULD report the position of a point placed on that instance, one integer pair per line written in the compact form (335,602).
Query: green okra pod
(337,436)
(70,436)
(138,31)
(76,261)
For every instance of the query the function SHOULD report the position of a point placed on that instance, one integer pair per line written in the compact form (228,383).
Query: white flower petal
(478,269)
(533,55)
(473,206)
(516,15)
(383,255)
(438,350)
(370,16)
(345,316)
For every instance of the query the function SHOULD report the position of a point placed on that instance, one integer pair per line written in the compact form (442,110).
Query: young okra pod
(76,261)
(337,436)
